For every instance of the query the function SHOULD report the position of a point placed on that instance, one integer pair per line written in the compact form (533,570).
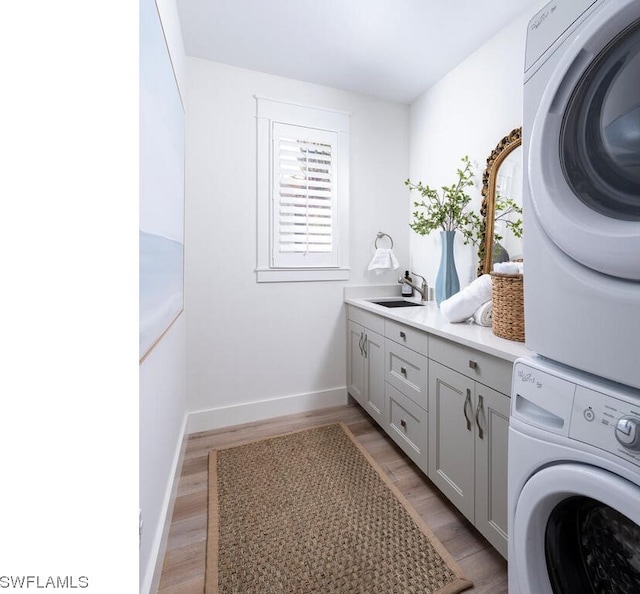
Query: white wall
(162,389)
(162,425)
(466,113)
(260,350)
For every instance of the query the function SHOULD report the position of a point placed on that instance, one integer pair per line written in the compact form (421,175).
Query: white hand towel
(482,315)
(460,307)
(383,259)
(509,267)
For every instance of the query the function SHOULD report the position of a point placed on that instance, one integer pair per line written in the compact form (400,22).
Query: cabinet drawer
(406,424)
(406,371)
(412,338)
(366,319)
(487,369)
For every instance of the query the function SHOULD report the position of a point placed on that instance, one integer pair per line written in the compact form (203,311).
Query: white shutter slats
(305,196)
(319,196)
(292,217)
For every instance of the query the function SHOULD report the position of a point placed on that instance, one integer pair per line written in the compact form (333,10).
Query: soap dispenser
(407,290)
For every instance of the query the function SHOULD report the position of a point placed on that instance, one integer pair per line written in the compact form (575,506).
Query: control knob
(628,432)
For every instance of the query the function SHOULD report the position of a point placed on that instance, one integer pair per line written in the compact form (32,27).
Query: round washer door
(577,529)
(584,148)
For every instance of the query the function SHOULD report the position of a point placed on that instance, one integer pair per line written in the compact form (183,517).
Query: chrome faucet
(423,290)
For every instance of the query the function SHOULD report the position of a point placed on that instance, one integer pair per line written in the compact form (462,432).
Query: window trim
(269,111)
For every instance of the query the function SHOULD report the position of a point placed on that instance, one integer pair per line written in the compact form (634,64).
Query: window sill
(281,275)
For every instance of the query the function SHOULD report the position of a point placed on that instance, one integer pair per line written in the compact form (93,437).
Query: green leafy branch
(506,207)
(447,210)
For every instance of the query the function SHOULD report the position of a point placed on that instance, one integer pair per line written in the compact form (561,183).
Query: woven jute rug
(312,512)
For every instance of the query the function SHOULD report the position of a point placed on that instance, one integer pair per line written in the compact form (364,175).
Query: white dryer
(581,140)
(574,482)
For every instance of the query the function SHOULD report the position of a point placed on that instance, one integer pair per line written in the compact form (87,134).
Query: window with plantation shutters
(304,196)
(302,193)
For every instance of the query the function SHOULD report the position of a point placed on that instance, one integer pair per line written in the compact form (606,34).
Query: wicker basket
(507,318)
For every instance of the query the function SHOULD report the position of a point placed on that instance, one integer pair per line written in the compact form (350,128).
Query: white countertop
(428,319)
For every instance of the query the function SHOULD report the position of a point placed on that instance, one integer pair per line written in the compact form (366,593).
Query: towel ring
(380,236)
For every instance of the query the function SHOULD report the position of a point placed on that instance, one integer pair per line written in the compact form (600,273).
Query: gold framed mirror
(501,210)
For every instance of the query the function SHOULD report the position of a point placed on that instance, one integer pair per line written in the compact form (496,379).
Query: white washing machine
(574,482)
(581,140)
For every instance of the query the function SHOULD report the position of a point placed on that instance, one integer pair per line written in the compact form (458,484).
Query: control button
(624,427)
(589,414)
(628,433)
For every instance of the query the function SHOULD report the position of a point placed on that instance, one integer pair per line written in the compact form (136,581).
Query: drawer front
(412,338)
(407,425)
(487,369)
(407,372)
(366,319)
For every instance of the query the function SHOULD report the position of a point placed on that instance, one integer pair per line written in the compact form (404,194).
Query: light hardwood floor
(183,570)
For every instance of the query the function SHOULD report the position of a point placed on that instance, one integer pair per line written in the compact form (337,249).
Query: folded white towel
(509,267)
(460,307)
(383,259)
(482,315)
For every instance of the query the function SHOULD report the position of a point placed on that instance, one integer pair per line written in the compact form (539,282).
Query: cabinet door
(451,436)
(355,362)
(492,432)
(374,375)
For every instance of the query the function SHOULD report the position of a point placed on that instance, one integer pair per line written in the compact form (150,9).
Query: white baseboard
(151,581)
(249,412)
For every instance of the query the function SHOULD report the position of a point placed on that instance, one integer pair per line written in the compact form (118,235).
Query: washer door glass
(590,547)
(600,135)
(576,529)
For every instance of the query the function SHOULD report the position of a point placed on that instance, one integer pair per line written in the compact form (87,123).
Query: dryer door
(577,529)
(584,157)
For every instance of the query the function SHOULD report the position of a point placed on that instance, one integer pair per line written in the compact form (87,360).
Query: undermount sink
(396,303)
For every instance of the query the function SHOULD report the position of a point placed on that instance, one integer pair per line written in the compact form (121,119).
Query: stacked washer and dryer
(574,437)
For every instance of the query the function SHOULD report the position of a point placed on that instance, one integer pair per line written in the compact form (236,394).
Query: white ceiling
(393,49)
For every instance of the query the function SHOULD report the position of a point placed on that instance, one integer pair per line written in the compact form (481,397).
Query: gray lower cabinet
(468,429)
(365,368)
(355,362)
(444,404)
(451,457)
(491,469)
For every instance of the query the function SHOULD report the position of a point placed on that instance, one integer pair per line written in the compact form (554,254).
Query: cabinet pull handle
(365,346)
(473,364)
(403,335)
(479,409)
(360,343)
(467,402)
(403,371)
(403,423)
